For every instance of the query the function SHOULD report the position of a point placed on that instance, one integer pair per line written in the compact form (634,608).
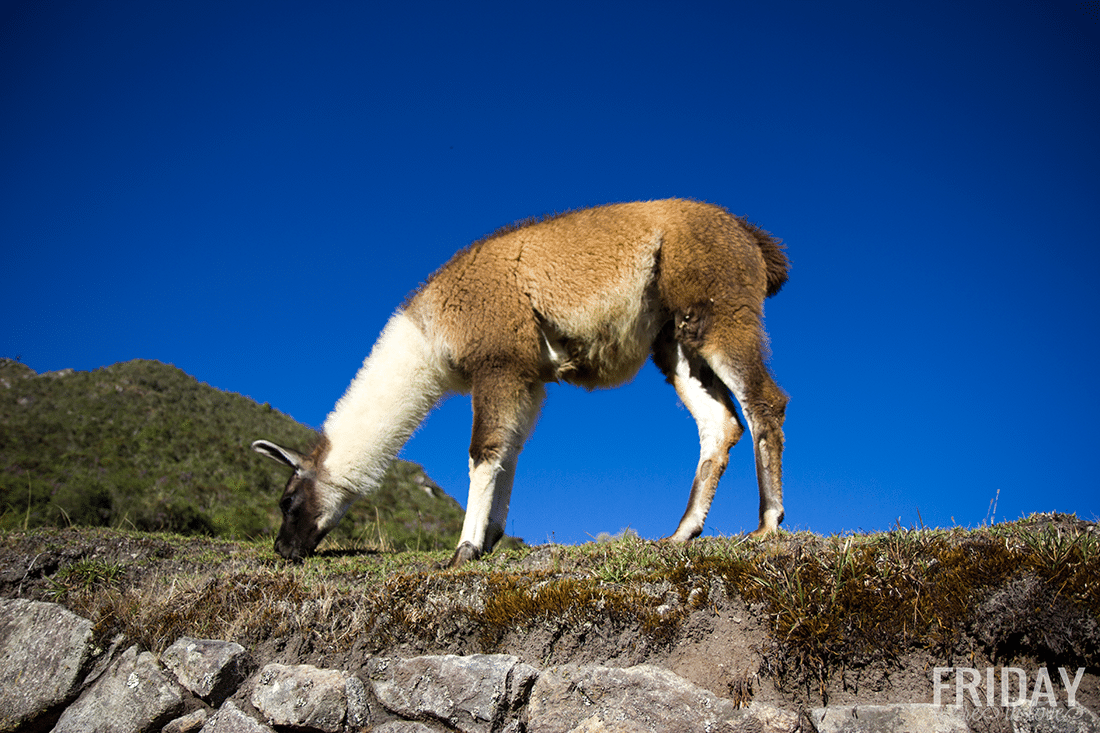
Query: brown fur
(586,297)
(492,297)
(602,285)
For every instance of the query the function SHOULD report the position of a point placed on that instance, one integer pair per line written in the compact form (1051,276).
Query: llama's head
(310,505)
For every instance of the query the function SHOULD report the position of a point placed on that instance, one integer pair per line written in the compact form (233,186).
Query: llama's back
(586,284)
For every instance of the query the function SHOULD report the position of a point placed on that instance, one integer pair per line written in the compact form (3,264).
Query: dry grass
(830,602)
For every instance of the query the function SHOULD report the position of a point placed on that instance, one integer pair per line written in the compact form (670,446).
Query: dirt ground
(725,646)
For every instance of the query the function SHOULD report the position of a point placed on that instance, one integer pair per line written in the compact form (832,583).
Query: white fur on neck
(395,389)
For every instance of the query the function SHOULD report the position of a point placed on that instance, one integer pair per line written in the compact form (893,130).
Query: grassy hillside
(142,445)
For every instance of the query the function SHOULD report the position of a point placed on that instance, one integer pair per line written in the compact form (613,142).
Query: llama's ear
(292,458)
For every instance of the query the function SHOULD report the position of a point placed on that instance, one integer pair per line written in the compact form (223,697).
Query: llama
(584,298)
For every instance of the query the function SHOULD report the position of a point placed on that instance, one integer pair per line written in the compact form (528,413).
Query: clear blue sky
(248,190)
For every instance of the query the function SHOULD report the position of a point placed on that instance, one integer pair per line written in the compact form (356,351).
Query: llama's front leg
(708,401)
(503,418)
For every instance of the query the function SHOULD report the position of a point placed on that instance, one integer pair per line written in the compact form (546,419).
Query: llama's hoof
(463,554)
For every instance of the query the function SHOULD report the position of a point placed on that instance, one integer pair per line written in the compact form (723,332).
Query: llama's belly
(592,365)
(598,312)
(601,344)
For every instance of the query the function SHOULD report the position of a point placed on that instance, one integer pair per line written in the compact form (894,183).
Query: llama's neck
(393,392)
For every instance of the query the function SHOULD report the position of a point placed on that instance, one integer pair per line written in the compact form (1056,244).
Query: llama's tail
(775,259)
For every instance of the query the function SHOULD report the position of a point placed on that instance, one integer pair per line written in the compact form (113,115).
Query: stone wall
(53,676)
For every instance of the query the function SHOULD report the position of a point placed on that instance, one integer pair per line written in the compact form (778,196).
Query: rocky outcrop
(134,694)
(44,650)
(212,670)
(303,696)
(55,677)
(231,719)
(642,698)
(922,717)
(479,693)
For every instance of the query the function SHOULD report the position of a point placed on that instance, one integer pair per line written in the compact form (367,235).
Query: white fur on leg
(491,482)
(769,521)
(718,431)
(771,501)
(502,495)
(771,506)
(484,480)
(711,416)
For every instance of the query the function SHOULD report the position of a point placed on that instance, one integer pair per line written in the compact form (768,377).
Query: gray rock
(212,670)
(230,719)
(643,698)
(924,717)
(472,694)
(767,719)
(404,726)
(304,696)
(190,722)
(44,648)
(593,699)
(358,710)
(104,660)
(132,696)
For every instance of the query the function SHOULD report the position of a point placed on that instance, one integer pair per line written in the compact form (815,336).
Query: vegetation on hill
(142,445)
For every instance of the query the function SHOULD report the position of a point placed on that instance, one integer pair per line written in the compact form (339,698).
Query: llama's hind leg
(505,411)
(764,405)
(708,401)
